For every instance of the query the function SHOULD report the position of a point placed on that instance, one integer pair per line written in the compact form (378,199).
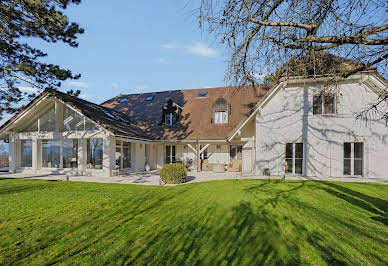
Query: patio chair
(206,166)
(235,166)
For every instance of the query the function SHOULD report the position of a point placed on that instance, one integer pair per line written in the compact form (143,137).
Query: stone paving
(152,177)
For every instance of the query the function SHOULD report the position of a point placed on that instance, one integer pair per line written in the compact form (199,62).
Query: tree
(276,37)
(21,20)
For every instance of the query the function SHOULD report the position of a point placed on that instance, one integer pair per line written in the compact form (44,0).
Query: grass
(219,222)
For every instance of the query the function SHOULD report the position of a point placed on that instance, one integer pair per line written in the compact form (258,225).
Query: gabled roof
(113,121)
(196,115)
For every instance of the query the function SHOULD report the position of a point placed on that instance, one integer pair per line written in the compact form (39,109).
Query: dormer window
(149,98)
(324,104)
(221,111)
(170,113)
(170,119)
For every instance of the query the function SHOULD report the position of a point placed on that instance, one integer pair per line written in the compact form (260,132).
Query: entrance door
(354,158)
(170,153)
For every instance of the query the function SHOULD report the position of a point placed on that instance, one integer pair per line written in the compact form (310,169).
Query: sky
(137,46)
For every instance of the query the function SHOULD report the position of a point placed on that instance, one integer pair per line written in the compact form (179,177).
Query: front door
(170,153)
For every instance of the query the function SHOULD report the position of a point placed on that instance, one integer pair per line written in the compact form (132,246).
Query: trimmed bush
(173,173)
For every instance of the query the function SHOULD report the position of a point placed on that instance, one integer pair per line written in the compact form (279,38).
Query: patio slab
(152,177)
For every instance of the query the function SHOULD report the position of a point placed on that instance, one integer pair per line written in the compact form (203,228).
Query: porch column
(81,156)
(12,154)
(198,157)
(34,155)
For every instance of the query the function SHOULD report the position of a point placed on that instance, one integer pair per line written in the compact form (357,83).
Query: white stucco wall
(288,118)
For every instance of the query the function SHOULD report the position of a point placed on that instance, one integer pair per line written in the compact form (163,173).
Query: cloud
(115,85)
(161,60)
(201,49)
(170,46)
(29,90)
(87,96)
(78,84)
(196,48)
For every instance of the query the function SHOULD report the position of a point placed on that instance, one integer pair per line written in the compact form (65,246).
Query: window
(70,153)
(26,153)
(294,158)
(123,155)
(202,94)
(51,153)
(94,153)
(123,100)
(170,119)
(220,117)
(235,152)
(47,121)
(149,98)
(126,155)
(72,120)
(324,104)
(204,153)
(170,154)
(221,111)
(353,158)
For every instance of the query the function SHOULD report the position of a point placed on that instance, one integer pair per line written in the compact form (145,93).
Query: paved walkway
(152,178)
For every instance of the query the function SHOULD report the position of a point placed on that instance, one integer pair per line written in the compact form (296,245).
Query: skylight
(149,98)
(123,100)
(202,94)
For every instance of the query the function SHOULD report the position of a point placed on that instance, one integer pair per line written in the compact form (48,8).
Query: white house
(295,127)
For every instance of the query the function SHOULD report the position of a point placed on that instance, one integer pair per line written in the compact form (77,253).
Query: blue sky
(138,46)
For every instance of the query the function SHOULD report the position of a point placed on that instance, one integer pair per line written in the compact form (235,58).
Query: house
(294,127)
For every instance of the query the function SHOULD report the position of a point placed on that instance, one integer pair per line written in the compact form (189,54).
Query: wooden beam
(192,148)
(204,148)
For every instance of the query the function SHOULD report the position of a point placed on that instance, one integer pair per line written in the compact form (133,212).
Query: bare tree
(295,37)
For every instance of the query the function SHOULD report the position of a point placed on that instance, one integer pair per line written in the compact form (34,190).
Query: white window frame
(352,159)
(323,104)
(221,117)
(121,146)
(293,157)
(170,156)
(168,119)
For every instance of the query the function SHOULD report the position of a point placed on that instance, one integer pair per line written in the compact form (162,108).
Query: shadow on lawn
(372,204)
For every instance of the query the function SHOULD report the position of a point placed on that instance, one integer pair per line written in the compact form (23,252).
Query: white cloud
(87,96)
(196,48)
(161,60)
(29,89)
(170,46)
(201,49)
(115,85)
(78,84)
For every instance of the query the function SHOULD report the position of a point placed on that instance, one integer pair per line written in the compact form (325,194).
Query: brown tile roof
(195,119)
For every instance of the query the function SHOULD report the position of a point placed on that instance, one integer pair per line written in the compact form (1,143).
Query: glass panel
(72,121)
(47,121)
(168,154)
(298,166)
(235,152)
(358,150)
(204,153)
(90,125)
(126,155)
(32,127)
(95,153)
(51,153)
(347,167)
(358,167)
(289,166)
(220,117)
(26,153)
(118,157)
(70,153)
(347,150)
(329,104)
(317,104)
(299,150)
(173,154)
(289,150)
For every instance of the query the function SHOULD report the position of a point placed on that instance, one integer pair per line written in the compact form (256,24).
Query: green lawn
(219,222)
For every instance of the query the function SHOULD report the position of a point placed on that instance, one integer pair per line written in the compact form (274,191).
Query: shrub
(173,173)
